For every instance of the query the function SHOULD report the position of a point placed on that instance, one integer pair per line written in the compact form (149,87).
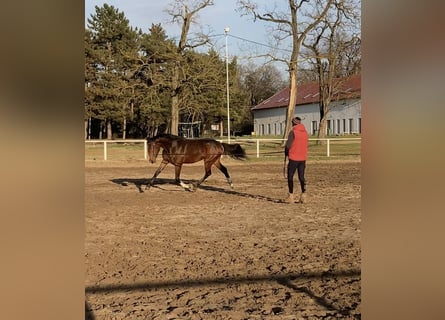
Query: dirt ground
(221,253)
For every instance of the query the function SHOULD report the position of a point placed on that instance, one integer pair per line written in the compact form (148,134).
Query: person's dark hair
(296,120)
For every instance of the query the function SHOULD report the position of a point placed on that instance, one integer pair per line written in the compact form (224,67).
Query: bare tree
(261,82)
(333,53)
(184,13)
(302,17)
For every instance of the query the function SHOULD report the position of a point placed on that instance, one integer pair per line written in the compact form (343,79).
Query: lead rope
(284,167)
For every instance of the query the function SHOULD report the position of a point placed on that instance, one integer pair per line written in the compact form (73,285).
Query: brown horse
(178,150)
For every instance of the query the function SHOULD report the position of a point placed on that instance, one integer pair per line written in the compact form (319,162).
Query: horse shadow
(141,184)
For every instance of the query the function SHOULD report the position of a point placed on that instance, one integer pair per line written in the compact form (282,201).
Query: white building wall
(344,115)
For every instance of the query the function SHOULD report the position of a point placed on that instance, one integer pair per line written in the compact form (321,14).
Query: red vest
(298,149)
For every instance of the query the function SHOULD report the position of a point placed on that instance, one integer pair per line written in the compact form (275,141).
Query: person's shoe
(290,198)
(302,198)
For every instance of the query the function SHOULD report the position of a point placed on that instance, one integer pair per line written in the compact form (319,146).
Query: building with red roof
(344,116)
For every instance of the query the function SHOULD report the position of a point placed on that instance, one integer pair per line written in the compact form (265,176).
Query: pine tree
(114,50)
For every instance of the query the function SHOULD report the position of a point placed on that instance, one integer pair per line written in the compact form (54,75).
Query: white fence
(105,144)
(259,146)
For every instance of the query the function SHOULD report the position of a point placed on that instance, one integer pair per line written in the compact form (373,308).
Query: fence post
(105,150)
(328,148)
(257,148)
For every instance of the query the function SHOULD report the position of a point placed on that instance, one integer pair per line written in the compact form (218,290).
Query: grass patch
(267,150)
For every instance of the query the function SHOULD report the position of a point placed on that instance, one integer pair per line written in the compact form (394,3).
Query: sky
(144,13)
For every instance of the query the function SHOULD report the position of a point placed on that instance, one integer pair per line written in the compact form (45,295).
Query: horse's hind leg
(224,170)
(208,172)
(158,171)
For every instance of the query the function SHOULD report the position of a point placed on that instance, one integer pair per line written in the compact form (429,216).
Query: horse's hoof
(188,187)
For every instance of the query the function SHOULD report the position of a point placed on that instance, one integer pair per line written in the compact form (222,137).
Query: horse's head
(153,148)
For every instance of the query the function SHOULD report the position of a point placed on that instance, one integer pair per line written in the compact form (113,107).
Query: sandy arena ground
(221,253)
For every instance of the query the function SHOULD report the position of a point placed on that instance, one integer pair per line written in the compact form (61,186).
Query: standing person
(296,151)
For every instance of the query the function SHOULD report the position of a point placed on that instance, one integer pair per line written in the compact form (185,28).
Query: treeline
(131,78)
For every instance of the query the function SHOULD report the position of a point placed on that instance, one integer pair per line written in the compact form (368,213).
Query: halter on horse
(178,150)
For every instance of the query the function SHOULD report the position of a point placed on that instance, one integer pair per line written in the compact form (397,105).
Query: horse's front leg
(157,172)
(178,180)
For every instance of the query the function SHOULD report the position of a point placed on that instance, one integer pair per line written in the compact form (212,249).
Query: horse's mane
(165,135)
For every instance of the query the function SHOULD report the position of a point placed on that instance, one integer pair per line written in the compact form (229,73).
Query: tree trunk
(322,131)
(101,130)
(124,128)
(324,105)
(221,128)
(175,102)
(89,128)
(192,134)
(292,102)
(109,130)
(175,116)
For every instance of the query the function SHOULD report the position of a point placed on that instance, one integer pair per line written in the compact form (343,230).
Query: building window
(329,127)
(268,128)
(338,126)
(351,125)
(262,130)
(344,126)
(314,127)
(359,125)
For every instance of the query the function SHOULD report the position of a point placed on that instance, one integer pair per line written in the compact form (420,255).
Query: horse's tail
(234,150)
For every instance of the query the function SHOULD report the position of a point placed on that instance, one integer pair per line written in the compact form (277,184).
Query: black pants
(300,167)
